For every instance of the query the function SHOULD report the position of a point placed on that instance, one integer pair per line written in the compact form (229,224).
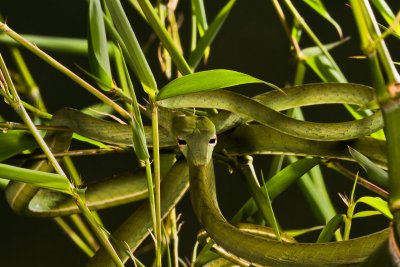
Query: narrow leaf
(378,204)
(210,34)
(299,232)
(277,184)
(272,221)
(52,43)
(319,7)
(366,213)
(200,15)
(330,228)
(169,44)
(386,12)
(321,65)
(3,183)
(98,47)
(138,134)
(41,179)
(207,81)
(141,68)
(286,177)
(375,173)
(14,142)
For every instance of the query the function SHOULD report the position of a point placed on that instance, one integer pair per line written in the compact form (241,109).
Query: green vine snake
(196,138)
(198,150)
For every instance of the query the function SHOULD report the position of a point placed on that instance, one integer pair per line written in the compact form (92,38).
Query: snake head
(196,138)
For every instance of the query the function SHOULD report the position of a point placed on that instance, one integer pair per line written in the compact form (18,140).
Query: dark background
(251,41)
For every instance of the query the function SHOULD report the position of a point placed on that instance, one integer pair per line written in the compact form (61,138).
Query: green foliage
(204,81)
(114,53)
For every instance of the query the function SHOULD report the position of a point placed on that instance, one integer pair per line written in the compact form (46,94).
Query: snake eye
(212,141)
(181,142)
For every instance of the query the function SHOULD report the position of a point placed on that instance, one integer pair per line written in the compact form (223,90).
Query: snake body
(194,135)
(196,138)
(270,117)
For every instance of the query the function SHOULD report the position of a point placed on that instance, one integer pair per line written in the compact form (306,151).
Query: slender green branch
(73,236)
(286,27)
(313,37)
(33,89)
(99,232)
(157,179)
(11,93)
(164,36)
(57,65)
(53,43)
(16,103)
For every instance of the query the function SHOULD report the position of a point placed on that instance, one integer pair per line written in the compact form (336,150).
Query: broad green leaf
(14,142)
(328,232)
(141,67)
(378,204)
(320,8)
(209,35)
(98,47)
(375,173)
(207,81)
(41,179)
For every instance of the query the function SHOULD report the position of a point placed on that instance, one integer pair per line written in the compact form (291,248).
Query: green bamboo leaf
(84,139)
(200,15)
(286,177)
(52,43)
(366,213)
(14,142)
(98,48)
(321,65)
(320,8)
(378,204)
(159,29)
(138,134)
(277,184)
(4,183)
(141,67)
(98,110)
(41,179)
(207,81)
(375,173)
(330,228)
(299,232)
(271,219)
(386,12)
(210,34)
